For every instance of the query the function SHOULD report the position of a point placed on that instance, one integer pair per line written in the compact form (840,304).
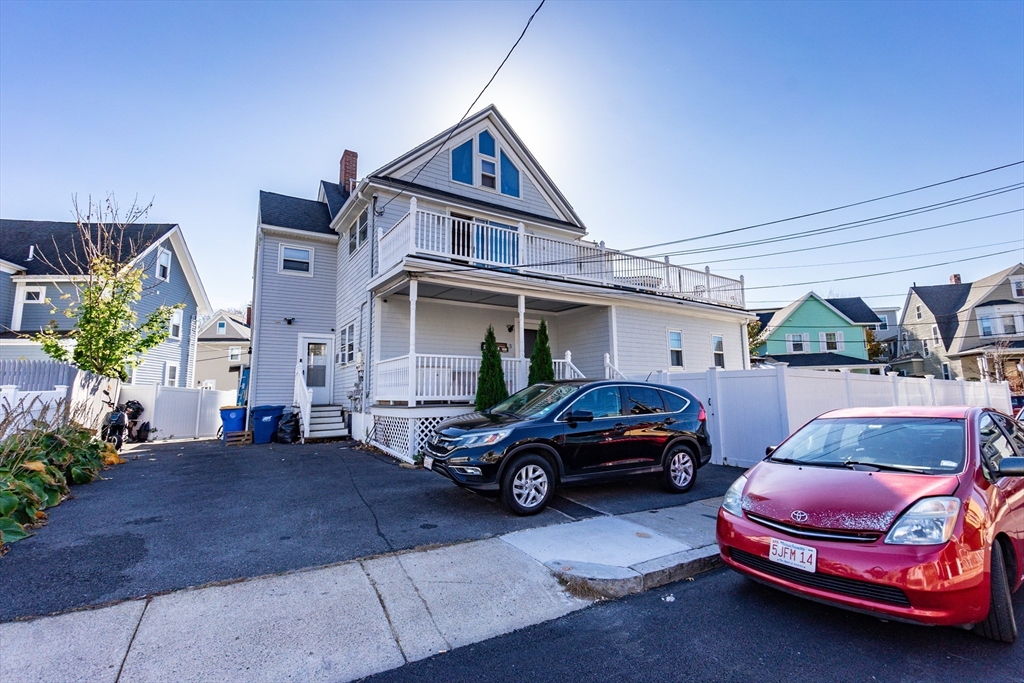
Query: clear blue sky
(658,121)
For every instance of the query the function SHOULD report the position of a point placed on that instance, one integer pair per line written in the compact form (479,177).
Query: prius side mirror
(1011,467)
(769,450)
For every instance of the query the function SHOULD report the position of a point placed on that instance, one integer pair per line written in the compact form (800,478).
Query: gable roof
(241,330)
(53,239)
(855,309)
(295,213)
(812,360)
(423,152)
(765,318)
(783,314)
(334,195)
(944,302)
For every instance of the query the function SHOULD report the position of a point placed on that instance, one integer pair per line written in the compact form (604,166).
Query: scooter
(134,432)
(115,424)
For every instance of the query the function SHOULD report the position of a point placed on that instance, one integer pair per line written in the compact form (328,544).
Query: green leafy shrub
(37,463)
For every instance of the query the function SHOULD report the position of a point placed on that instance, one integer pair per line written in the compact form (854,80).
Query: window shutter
(789,343)
(823,344)
(806,336)
(839,342)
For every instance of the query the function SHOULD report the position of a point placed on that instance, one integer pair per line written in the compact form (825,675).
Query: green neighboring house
(812,332)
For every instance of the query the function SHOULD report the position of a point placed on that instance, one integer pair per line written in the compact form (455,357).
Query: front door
(316,354)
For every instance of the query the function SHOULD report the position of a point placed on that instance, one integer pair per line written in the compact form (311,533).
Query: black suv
(572,432)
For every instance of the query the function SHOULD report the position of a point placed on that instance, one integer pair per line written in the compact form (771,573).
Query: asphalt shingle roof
(54,239)
(810,360)
(944,301)
(335,196)
(855,309)
(295,213)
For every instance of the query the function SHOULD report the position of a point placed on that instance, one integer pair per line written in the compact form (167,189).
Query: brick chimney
(248,316)
(349,170)
(954,279)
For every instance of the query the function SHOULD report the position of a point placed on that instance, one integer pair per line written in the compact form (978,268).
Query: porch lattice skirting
(404,437)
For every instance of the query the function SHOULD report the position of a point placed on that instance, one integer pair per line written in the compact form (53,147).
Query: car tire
(999,624)
(680,471)
(527,485)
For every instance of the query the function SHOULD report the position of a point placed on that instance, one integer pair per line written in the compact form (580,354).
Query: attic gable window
(1017,286)
(222,327)
(163,265)
(462,163)
(509,177)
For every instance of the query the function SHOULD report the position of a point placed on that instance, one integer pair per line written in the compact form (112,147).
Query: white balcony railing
(426,232)
(452,378)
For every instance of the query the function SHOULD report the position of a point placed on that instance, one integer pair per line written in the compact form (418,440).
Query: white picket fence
(751,409)
(177,412)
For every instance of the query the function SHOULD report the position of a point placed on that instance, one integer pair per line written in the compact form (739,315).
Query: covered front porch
(430,334)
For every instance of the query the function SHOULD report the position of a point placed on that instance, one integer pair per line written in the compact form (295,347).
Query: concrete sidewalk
(350,620)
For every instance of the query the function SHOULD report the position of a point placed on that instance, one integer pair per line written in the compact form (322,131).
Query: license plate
(428,462)
(794,555)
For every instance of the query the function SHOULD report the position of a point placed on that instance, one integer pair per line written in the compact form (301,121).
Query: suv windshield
(536,400)
(929,445)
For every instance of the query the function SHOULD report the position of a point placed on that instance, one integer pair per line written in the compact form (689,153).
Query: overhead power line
(823,211)
(888,272)
(468,109)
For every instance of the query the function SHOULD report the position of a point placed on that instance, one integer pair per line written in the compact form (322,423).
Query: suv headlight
(733,501)
(929,521)
(484,438)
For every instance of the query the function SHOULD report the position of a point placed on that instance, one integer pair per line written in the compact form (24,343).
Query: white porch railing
(452,378)
(610,371)
(302,398)
(426,232)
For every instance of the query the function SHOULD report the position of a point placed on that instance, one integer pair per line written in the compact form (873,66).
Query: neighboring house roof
(944,301)
(335,196)
(855,309)
(545,185)
(57,240)
(294,213)
(821,360)
(239,330)
(1005,346)
(765,318)
(782,315)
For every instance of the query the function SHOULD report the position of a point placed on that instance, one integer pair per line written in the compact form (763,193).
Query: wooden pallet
(238,438)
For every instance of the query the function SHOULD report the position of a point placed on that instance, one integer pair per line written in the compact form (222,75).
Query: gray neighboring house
(31,286)
(222,351)
(375,296)
(887,331)
(971,330)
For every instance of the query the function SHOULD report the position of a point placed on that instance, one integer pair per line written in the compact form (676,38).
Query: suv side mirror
(580,416)
(769,450)
(1011,467)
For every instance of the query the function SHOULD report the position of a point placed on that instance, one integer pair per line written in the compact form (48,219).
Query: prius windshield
(927,445)
(536,400)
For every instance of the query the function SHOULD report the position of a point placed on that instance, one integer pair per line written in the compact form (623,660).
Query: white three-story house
(375,297)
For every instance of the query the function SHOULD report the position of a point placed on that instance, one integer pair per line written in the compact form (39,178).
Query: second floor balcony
(428,233)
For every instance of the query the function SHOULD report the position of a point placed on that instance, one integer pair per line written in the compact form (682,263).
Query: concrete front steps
(327,422)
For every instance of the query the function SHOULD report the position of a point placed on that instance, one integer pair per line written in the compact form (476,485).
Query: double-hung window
(234,354)
(917,312)
(174,328)
(935,336)
(946,373)
(675,348)
(295,260)
(718,351)
(1017,286)
(986,327)
(831,343)
(347,352)
(798,343)
(357,232)
(926,348)
(171,374)
(163,265)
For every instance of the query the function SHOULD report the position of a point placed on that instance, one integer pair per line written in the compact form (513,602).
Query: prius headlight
(733,501)
(929,521)
(483,438)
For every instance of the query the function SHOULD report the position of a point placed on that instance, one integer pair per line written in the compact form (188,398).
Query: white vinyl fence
(33,389)
(749,410)
(177,412)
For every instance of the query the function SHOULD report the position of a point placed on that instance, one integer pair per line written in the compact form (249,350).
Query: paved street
(721,627)
(187,514)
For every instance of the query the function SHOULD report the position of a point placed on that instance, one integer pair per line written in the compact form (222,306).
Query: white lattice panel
(391,434)
(424,428)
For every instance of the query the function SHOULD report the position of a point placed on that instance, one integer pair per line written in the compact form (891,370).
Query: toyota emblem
(798,516)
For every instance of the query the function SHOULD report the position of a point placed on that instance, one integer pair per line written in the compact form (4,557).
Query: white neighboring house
(32,286)
(222,351)
(375,297)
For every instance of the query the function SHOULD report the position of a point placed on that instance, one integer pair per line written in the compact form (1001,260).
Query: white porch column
(523,372)
(413,293)
(412,225)
(614,335)
(520,254)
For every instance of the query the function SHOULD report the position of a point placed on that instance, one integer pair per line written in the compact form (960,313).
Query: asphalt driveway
(187,514)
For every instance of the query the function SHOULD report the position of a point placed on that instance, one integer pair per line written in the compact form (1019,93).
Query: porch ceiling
(428,290)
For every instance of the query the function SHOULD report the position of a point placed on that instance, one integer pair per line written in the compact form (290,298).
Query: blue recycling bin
(264,422)
(233,419)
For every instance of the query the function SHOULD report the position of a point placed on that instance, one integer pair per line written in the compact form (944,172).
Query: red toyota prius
(910,513)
